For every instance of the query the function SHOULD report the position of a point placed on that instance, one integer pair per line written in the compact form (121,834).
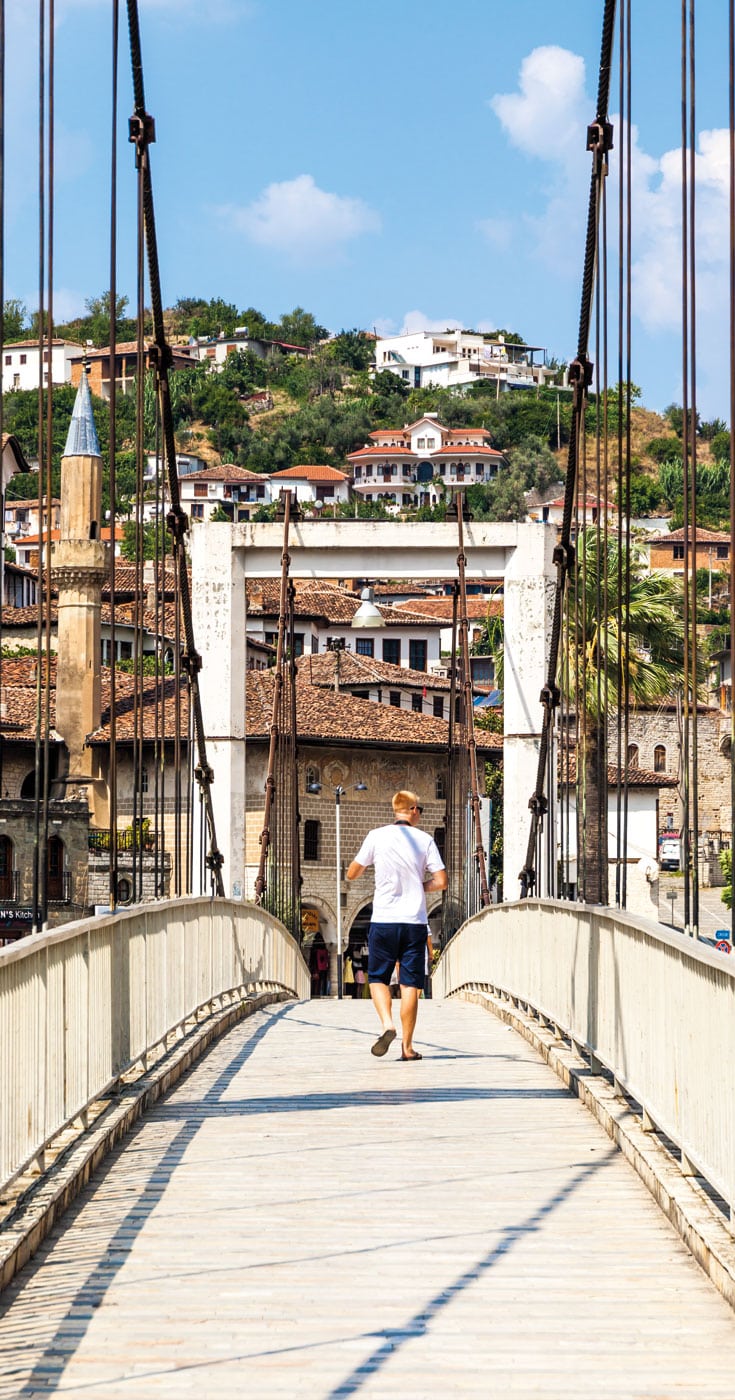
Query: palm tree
(645,638)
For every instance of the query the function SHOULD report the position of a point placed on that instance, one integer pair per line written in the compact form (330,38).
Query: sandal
(381,1045)
(415,1056)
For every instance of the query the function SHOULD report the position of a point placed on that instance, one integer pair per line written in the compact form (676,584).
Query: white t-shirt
(403,857)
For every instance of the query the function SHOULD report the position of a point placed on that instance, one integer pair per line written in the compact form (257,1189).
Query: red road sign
(723,945)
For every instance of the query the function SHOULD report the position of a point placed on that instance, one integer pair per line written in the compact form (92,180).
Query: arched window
(55,868)
(311,777)
(440,787)
(659,759)
(124,890)
(28,786)
(632,755)
(6,868)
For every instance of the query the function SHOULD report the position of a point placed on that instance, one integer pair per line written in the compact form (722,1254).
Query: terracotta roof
(337,718)
(154,689)
(382,452)
(310,473)
(637,777)
(24,617)
(352,669)
(225,472)
(433,422)
(387,432)
(11,441)
(463,432)
(471,449)
(21,344)
(28,503)
(20,541)
(126,580)
(703,537)
(441,608)
(326,602)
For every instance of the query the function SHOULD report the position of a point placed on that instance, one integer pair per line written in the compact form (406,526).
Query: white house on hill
(454,359)
(422,462)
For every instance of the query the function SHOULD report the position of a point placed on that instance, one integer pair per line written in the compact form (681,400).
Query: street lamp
(339,793)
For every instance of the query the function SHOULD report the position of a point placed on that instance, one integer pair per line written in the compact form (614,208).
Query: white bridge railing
(82,1004)
(657,1010)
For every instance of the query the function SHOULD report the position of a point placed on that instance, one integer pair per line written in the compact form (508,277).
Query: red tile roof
(227,471)
(325,602)
(350,669)
(323,715)
(703,537)
(469,450)
(310,473)
(441,608)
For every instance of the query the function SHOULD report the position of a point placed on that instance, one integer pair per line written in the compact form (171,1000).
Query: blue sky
(400,164)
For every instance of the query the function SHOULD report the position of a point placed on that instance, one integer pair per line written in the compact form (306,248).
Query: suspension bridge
(208,1183)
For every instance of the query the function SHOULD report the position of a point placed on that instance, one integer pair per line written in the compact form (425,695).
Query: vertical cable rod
(112,466)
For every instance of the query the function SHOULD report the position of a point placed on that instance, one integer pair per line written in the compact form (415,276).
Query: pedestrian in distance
(407,866)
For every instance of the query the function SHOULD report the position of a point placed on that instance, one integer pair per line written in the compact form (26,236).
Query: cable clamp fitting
(550,697)
(191,663)
(214,860)
(564,556)
(538,804)
(141,134)
(160,357)
(600,142)
(177,522)
(204,774)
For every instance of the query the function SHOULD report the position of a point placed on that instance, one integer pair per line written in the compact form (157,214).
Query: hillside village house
(323,622)
(422,462)
(666,551)
(21,363)
(215,350)
(234,490)
(455,358)
(21,519)
(97,362)
(314,486)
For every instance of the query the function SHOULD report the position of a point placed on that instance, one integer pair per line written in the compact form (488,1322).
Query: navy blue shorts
(389,944)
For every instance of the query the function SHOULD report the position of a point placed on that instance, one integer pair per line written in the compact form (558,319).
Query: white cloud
(298,218)
(499,233)
(545,117)
(417,321)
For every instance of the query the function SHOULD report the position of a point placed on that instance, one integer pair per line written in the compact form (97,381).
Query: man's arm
(438,881)
(355,870)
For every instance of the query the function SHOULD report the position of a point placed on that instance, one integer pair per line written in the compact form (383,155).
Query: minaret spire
(79,567)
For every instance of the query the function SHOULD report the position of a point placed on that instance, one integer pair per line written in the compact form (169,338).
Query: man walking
(407,866)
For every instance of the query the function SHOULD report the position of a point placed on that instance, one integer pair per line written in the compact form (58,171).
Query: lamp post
(339,793)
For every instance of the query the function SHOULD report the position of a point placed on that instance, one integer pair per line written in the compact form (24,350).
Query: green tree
(535,462)
(353,349)
(15,320)
(591,674)
(150,539)
(298,327)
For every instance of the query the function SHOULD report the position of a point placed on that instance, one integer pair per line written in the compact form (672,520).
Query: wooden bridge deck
(299,1218)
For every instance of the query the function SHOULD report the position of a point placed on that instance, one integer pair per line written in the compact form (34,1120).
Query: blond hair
(403,801)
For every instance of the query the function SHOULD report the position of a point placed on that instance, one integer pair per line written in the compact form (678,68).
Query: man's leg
(409,1012)
(382,1003)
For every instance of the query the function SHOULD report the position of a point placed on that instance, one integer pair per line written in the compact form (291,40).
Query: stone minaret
(79,567)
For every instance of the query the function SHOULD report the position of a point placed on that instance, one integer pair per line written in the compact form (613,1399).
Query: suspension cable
(142,134)
(270,782)
(731,133)
(468,710)
(112,466)
(599,143)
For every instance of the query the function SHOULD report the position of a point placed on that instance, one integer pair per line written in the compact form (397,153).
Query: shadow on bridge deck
(300,1218)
